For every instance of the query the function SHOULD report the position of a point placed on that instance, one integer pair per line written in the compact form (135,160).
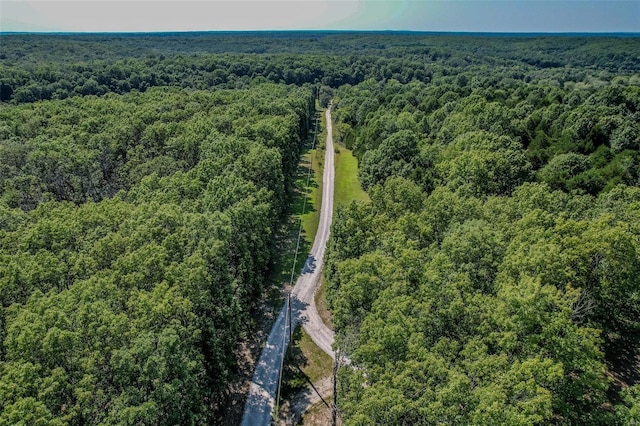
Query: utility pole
(334,411)
(290,328)
(284,351)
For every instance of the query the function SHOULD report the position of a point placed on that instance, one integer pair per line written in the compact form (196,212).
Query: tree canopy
(493,276)
(136,233)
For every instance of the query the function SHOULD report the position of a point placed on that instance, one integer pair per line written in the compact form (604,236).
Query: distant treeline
(611,52)
(37,67)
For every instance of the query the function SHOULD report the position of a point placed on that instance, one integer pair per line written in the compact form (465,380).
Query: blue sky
(418,15)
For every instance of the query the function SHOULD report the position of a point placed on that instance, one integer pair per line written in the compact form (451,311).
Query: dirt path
(264,384)
(307,284)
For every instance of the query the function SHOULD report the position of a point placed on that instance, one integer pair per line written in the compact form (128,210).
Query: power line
(293,268)
(304,202)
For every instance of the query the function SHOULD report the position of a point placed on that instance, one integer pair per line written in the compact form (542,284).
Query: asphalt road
(264,384)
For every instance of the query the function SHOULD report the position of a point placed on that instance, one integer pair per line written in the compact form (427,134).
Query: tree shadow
(295,392)
(305,182)
(293,378)
(309,265)
(623,363)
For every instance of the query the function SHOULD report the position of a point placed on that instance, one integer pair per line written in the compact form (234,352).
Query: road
(264,384)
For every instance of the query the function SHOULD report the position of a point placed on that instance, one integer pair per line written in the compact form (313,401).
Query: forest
(492,278)
(136,231)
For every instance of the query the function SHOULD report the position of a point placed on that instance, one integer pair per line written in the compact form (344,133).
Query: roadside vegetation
(311,218)
(306,197)
(305,364)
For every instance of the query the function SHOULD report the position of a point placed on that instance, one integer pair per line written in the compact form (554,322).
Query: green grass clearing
(347,187)
(311,218)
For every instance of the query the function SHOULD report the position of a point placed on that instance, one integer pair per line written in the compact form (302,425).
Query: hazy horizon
(146,16)
(347,31)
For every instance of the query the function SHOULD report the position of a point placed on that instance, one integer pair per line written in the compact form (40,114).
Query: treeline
(614,53)
(23,84)
(99,64)
(493,276)
(135,234)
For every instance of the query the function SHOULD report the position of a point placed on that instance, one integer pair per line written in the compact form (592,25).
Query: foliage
(131,260)
(492,276)
(35,67)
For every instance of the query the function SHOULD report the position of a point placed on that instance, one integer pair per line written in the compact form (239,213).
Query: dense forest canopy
(135,234)
(34,67)
(491,279)
(494,277)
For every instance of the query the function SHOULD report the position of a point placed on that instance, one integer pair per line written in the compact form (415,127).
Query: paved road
(262,394)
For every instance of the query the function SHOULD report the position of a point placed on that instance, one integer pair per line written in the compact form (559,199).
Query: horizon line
(353,31)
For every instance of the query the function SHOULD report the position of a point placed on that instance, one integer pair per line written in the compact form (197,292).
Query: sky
(413,15)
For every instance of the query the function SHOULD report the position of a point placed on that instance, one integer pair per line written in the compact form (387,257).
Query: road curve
(264,384)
